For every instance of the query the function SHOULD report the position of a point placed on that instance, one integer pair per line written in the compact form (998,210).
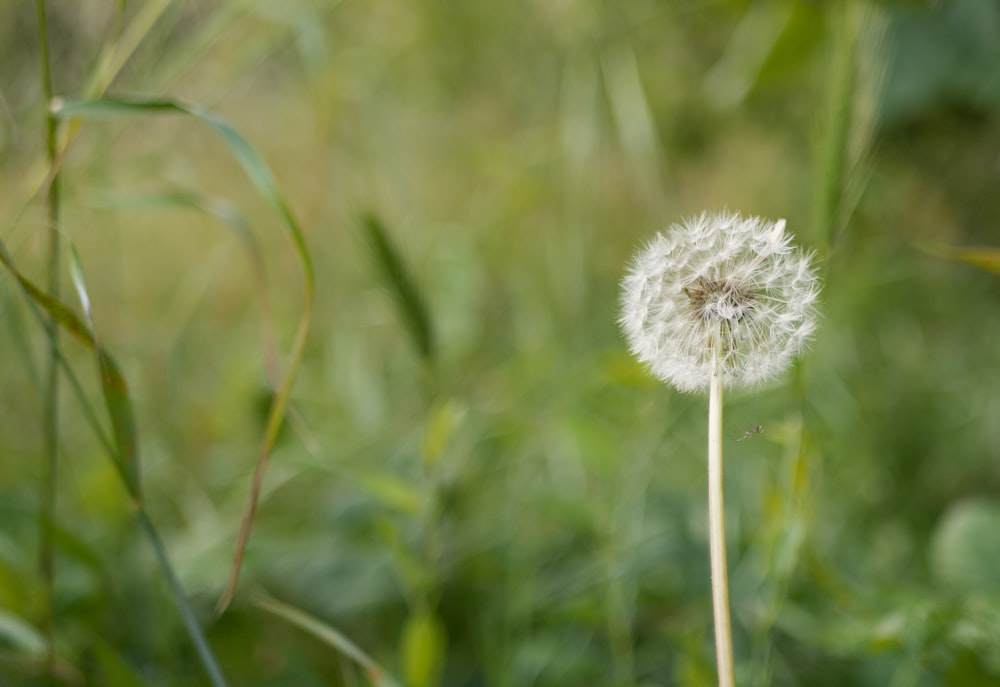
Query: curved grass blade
(88,410)
(327,634)
(114,388)
(123,450)
(412,307)
(261,178)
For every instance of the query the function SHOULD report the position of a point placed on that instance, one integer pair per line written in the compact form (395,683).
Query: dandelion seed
(724,272)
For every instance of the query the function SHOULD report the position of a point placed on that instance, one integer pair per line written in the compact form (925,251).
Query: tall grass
(123,450)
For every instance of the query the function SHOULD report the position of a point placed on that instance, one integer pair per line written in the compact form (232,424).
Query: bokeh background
(477,486)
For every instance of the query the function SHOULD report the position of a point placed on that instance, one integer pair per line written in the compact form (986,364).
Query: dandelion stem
(717,522)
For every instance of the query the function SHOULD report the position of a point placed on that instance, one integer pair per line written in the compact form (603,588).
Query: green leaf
(424,643)
(412,308)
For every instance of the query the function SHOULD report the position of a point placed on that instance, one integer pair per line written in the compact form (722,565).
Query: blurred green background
(509,500)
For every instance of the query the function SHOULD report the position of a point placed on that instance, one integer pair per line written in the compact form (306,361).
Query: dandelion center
(720,299)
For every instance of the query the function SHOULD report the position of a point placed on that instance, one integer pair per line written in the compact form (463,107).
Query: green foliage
(529,509)
(412,308)
(423,650)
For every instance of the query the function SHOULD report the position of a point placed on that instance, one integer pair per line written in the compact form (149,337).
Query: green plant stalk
(717,523)
(183,604)
(50,403)
(835,127)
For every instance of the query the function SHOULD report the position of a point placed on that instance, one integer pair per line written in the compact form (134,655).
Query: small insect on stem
(756,429)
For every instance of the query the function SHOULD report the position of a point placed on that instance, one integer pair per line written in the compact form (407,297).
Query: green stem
(717,523)
(183,604)
(46,562)
(836,126)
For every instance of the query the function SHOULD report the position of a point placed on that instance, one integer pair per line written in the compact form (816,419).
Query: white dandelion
(740,276)
(720,300)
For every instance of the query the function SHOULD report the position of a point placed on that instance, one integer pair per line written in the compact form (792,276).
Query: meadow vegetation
(474,484)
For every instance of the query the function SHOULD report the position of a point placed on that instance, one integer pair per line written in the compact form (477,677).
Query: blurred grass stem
(832,152)
(717,521)
(180,597)
(50,403)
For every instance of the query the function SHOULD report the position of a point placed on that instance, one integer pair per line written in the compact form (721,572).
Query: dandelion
(720,300)
(719,272)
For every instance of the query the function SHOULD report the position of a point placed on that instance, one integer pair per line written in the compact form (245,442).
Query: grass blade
(115,391)
(328,635)
(412,307)
(261,178)
(849,118)
(184,606)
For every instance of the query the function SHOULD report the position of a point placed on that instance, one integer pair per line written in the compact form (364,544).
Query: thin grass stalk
(194,630)
(50,402)
(275,418)
(832,159)
(717,522)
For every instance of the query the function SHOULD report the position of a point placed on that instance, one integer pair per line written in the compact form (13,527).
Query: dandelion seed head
(719,272)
